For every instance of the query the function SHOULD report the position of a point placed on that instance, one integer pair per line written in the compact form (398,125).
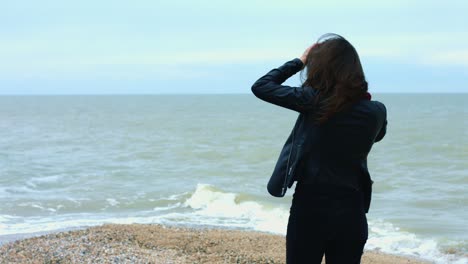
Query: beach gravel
(143,243)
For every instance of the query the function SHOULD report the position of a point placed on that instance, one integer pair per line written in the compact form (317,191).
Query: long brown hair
(334,69)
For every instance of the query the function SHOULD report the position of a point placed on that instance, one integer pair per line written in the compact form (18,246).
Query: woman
(337,126)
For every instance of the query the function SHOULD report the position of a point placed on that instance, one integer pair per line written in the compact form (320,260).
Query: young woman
(337,125)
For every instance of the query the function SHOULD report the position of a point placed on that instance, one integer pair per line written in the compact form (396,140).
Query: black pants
(326,221)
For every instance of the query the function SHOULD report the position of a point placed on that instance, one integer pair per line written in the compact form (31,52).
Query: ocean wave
(209,205)
(33,182)
(112,202)
(385,237)
(214,204)
(14,190)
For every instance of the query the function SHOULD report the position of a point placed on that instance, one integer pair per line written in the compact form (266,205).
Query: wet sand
(139,243)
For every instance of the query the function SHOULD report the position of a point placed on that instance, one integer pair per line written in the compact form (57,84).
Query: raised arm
(269,87)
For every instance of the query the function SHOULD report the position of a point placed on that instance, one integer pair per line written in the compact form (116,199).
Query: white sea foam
(34,182)
(47,224)
(45,179)
(160,209)
(3,220)
(76,201)
(215,205)
(39,206)
(385,237)
(176,197)
(112,201)
(209,205)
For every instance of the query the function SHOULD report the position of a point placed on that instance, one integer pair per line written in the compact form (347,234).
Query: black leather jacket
(334,153)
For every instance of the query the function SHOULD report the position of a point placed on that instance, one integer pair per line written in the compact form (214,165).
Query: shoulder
(378,110)
(373,105)
(381,109)
(368,110)
(380,105)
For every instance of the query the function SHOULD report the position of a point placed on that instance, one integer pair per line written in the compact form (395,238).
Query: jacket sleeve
(269,87)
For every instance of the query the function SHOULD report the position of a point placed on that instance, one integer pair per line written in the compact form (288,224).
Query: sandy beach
(138,243)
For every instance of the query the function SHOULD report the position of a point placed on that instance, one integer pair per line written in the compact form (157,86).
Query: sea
(203,160)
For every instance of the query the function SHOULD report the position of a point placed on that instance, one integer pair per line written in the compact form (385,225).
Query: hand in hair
(303,58)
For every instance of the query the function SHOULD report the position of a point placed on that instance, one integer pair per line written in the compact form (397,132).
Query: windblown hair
(334,69)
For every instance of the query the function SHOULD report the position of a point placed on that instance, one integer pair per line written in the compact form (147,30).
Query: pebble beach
(148,243)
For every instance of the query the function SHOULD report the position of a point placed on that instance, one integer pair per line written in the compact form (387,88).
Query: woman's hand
(303,58)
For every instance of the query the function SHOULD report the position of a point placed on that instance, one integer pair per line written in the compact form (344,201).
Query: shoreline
(154,243)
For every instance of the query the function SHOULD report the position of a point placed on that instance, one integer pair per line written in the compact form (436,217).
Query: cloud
(448,58)
(256,5)
(75,52)
(435,48)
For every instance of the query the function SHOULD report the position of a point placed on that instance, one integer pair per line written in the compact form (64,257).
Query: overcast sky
(200,46)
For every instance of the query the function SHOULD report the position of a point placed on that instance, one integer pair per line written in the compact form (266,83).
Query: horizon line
(201,93)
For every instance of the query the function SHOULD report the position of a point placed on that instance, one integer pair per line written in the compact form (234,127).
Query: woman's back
(338,148)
